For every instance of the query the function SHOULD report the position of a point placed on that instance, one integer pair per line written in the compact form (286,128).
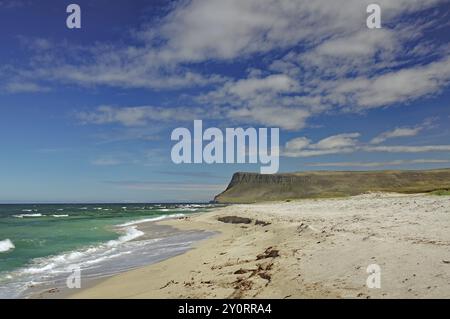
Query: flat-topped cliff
(254,187)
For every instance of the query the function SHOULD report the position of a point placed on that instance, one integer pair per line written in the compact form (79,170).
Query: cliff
(254,187)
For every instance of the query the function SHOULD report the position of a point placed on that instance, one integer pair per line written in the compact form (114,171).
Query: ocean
(40,244)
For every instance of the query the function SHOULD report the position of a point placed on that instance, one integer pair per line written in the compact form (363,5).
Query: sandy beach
(303,249)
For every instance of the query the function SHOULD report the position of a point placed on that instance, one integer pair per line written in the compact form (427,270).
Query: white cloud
(36,43)
(408,149)
(336,144)
(24,87)
(359,44)
(298,143)
(282,117)
(379,164)
(404,131)
(208,29)
(350,53)
(332,61)
(338,141)
(253,91)
(398,132)
(138,115)
(106,162)
(277,83)
(394,87)
(349,143)
(129,74)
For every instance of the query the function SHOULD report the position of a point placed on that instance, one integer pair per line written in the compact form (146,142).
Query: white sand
(324,245)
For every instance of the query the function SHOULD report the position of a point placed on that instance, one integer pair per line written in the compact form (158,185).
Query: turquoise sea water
(38,241)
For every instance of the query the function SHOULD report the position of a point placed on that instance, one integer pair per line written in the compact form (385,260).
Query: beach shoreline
(302,249)
(162,242)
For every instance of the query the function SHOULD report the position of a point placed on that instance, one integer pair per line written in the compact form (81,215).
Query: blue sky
(86,115)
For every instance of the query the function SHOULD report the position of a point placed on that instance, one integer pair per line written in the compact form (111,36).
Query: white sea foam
(97,261)
(100,259)
(6,245)
(38,270)
(130,234)
(28,215)
(188,209)
(140,221)
(58,263)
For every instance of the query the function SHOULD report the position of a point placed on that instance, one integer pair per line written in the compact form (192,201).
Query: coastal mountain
(254,187)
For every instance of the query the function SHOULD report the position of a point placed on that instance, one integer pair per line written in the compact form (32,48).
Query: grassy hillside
(253,187)
(441,192)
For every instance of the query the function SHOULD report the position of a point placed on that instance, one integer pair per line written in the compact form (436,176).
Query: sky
(86,114)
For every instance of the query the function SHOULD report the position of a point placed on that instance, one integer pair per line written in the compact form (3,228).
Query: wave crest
(28,215)
(6,245)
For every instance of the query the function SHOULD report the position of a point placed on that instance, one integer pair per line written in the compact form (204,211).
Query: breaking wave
(6,245)
(28,215)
